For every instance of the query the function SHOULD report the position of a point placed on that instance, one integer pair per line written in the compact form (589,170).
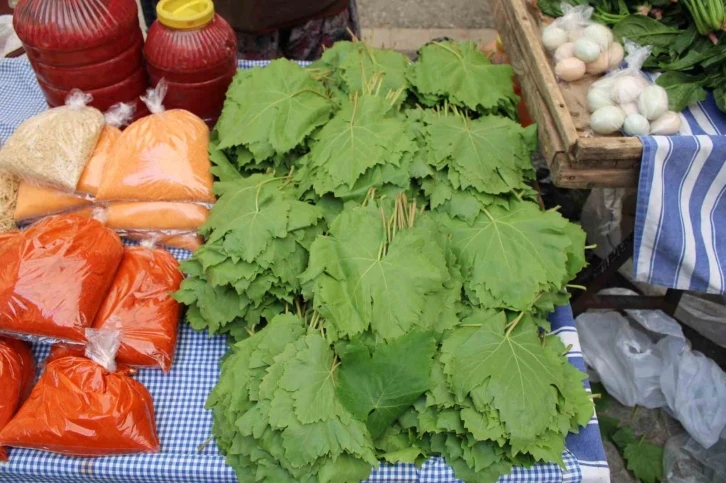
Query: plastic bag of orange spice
(55,276)
(161,157)
(17,372)
(35,201)
(86,407)
(139,305)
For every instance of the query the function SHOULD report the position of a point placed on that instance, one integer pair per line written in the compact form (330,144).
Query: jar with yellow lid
(195,50)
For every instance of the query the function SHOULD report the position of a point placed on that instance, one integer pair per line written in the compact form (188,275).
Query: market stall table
(188,452)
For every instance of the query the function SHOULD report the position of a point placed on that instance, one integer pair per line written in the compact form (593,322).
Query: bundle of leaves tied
(381,265)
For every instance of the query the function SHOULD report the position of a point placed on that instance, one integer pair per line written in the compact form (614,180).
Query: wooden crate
(576,160)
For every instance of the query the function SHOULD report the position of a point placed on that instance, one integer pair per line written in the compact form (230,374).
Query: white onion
(607,120)
(563,52)
(630,108)
(668,123)
(599,66)
(615,55)
(570,69)
(574,34)
(553,37)
(602,35)
(598,97)
(586,50)
(653,102)
(636,125)
(627,88)
(605,83)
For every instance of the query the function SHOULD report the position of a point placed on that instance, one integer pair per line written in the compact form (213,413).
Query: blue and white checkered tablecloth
(185,426)
(680,225)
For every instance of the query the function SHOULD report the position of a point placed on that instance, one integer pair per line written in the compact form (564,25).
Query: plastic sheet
(156,215)
(53,147)
(78,408)
(17,372)
(139,305)
(55,276)
(161,157)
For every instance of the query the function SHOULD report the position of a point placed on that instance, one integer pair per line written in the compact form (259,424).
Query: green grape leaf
(520,374)
(366,132)
(271,110)
(310,377)
(470,79)
(356,286)
(380,387)
(488,154)
(502,243)
(645,460)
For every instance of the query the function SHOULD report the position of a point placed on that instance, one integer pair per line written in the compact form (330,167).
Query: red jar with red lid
(195,50)
(92,45)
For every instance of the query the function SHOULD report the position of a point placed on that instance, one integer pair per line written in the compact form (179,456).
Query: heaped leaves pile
(377,257)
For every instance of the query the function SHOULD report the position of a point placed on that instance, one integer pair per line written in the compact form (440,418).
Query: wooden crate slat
(514,14)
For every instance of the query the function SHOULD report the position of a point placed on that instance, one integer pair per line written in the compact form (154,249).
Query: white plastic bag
(695,390)
(637,371)
(627,100)
(623,357)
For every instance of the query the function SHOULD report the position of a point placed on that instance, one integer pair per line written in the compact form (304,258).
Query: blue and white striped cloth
(680,225)
(184,426)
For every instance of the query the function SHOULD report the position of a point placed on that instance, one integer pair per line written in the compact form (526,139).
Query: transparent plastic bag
(17,373)
(55,276)
(80,407)
(36,201)
(579,46)
(116,117)
(188,240)
(53,147)
(139,305)
(695,390)
(713,458)
(161,157)
(156,215)
(627,101)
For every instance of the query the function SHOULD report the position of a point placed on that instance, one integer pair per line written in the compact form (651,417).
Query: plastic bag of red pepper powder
(17,372)
(55,276)
(85,407)
(140,306)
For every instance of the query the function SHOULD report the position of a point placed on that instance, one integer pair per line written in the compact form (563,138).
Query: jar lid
(185,14)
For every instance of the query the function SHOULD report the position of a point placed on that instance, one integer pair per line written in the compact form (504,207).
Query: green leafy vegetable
(471,80)
(381,387)
(382,272)
(500,243)
(271,110)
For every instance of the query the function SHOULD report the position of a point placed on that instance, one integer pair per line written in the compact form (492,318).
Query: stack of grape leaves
(379,262)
